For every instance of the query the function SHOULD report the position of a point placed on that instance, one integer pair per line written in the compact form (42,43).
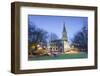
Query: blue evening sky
(54,24)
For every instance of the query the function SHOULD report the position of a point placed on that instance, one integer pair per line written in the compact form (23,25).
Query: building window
(56,49)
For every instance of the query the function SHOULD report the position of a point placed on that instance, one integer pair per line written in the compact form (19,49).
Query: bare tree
(53,36)
(35,35)
(80,40)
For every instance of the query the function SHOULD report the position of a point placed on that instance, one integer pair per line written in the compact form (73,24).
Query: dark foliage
(35,34)
(80,40)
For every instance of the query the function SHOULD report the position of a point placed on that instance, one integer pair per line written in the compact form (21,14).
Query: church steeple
(64,28)
(64,33)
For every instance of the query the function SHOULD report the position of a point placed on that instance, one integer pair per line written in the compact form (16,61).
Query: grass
(62,56)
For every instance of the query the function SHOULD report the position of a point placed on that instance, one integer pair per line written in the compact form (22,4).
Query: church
(59,46)
(56,47)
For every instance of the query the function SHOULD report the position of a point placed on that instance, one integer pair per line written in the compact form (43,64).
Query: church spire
(64,28)
(64,33)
